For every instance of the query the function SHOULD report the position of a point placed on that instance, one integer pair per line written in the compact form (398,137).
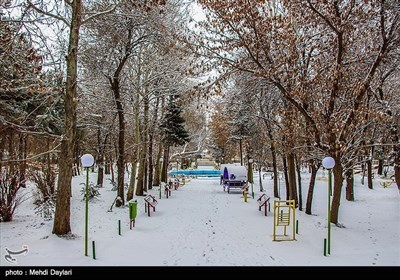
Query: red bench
(264,201)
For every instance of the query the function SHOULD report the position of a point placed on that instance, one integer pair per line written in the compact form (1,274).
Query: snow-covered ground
(201,225)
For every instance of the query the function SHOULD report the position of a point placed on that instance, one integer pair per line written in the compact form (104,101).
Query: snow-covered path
(211,227)
(201,225)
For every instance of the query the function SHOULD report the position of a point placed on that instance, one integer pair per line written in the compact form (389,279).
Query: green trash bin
(132,212)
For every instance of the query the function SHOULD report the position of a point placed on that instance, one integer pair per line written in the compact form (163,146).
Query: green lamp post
(87,161)
(328,163)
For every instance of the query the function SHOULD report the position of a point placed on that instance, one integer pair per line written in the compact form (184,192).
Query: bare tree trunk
(164,170)
(112,170)
(140,181)
(292,178)
(241,151)
(260,178)
(132,181)
(145,141)
(275,170)
(157,170)
(337,190)
(77,157)
(145,172)
(285,173)
(349,184)
(109,158)
(100,163)
(151,166)
(274,160)
(141,186)
(394,135)
(100,172)
(100,158)
(107,169)
(273,153)
(62,214)
(121,140)
(299,184)
(151,145)
(369,172)
(135,163)
(311,186)
(363,173)
(380,166)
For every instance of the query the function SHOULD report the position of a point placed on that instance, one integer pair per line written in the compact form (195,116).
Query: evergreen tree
(172,125)
(172,130)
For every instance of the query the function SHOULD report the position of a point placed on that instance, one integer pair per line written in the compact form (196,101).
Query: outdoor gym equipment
(284,216)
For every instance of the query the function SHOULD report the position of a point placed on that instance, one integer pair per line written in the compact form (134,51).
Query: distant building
(206,164)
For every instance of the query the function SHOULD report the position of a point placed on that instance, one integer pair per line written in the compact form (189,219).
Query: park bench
(263,200)
(150,201)
(233,184)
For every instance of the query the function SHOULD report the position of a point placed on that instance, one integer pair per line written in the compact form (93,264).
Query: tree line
(308,79)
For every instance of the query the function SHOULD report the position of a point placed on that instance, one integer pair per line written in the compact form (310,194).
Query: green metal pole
(325,247)
(329,209)
(297,226)
(86,212)
(94,250)
(119,227)
(252,192)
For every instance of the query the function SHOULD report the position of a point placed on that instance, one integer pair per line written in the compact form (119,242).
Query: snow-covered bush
(44,181)
(10,183)
(46,209)
(114,184)
(92,191)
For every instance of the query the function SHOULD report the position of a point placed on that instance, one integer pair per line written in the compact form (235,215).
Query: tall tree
(63,205)
(172,128)
(74,22)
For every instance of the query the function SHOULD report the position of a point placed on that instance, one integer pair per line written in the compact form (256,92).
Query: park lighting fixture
(328,163)
(87,161)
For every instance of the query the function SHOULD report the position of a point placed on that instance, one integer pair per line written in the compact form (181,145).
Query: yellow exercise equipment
(284,216)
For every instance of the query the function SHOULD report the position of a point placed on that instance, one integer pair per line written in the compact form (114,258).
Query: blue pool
(197,172)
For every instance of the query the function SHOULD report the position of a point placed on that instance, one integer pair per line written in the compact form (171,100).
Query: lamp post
(251,176)
(161,175)
(87,161)
(328,163)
